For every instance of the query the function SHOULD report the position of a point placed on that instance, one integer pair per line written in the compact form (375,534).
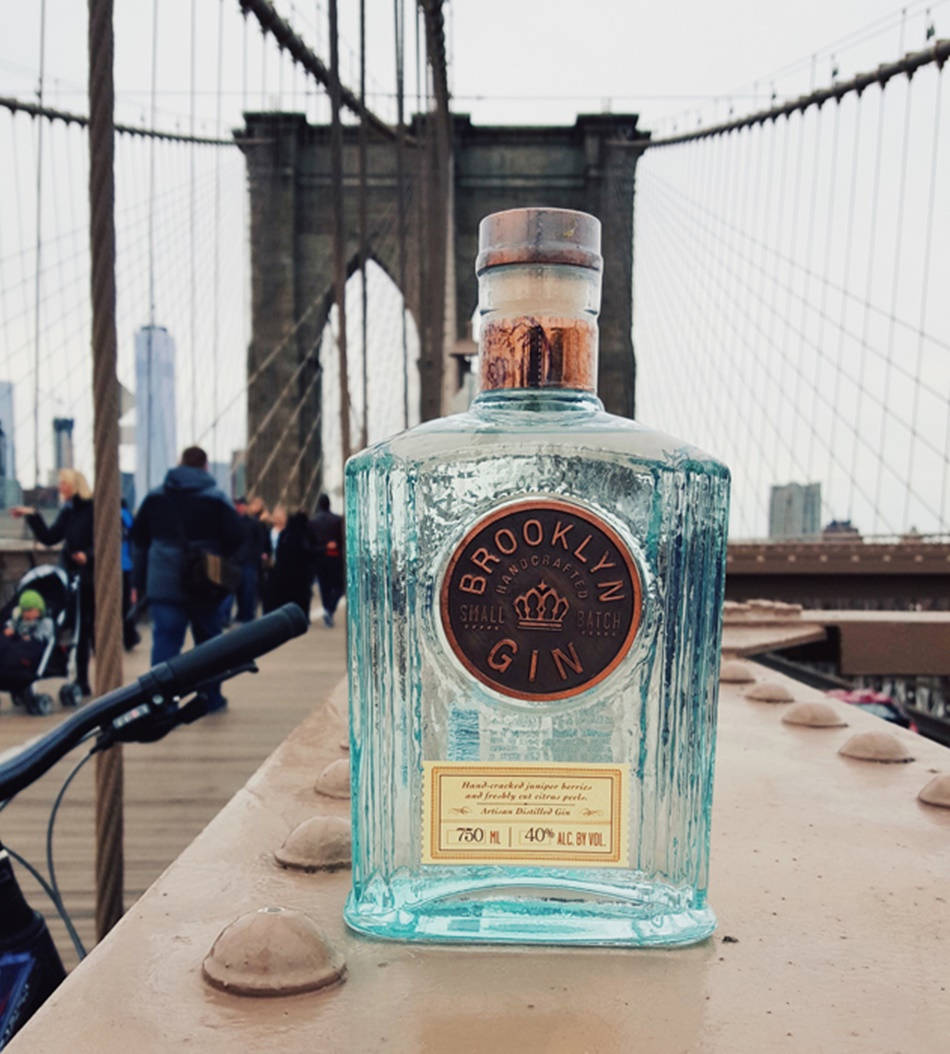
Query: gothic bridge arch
(589,165)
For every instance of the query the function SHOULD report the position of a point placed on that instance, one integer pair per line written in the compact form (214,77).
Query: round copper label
(541,600)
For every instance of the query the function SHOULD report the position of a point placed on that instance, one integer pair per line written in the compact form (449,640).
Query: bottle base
(532,916)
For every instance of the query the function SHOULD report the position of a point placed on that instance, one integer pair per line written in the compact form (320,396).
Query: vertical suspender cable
(364,298)
(423,159)
(244,62)
(846,265)
(150,377)
(263,68)
(217,240)
(39,249)
(399,16)
(922,316)
(895,289)
(868,287)
(191,240)
(106,540)
(339,258)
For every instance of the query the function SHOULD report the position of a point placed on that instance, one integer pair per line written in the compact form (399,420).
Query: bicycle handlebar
(175,677)
(239,646)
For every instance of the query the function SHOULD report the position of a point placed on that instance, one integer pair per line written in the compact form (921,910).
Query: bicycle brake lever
(151,721)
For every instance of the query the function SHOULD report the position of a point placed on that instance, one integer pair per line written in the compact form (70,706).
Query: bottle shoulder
(475,435)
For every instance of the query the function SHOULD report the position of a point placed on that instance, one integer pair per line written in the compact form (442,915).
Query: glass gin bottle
(534,600)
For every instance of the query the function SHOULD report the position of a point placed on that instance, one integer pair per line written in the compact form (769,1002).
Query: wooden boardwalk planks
(172,788)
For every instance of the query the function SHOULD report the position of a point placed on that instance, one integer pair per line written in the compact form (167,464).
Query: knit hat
(30,600)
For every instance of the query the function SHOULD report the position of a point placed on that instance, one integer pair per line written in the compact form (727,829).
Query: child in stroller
(38,640)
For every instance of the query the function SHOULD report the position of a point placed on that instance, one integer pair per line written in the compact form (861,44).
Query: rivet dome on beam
(334,781)
(274,951)
(322,843)
(769,692)
(814,715)
(876,746)
(735,671)
(937,791)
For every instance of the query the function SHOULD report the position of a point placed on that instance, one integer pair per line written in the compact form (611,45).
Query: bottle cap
(539,236)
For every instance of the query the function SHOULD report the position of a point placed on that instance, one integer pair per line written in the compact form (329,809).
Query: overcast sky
(676,64)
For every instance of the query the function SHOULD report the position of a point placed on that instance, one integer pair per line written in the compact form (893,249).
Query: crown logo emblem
(541,607)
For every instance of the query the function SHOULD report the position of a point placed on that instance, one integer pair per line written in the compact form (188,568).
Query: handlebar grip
(232,649)
(176,676)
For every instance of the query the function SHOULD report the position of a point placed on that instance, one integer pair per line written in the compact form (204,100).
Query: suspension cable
(39,250)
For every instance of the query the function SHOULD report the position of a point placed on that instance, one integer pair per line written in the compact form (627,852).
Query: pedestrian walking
(257,510)
(186,516)
(73,528)
(130,633)
(291,576)
(326,534)
(254,549)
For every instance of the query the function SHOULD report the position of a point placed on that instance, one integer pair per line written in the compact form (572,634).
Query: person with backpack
(178,525)
(327,535)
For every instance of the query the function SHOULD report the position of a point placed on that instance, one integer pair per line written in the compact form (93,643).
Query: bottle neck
(538,327)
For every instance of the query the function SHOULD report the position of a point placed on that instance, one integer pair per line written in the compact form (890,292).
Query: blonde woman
(72,527)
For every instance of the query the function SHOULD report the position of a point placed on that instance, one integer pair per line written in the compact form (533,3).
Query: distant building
(127,487)
(156,448)
(795,510)
(221,471)
(7,426)
(63,456)
(10,493)
(238,473)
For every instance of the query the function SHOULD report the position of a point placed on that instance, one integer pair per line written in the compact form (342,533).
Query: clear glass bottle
(534,599)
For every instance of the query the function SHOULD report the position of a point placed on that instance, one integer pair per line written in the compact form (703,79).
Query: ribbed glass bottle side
(408,503)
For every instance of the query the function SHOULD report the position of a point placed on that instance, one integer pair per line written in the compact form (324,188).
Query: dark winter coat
(326,528)
(188,506)
(290,577)
(72,527)
(255,541)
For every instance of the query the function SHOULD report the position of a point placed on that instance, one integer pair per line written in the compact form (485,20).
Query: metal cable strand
(287,40)
(868,286)
(52,114)
(938,53)
(879,399)
(363,222)
(762,359)
(339,236)
(399,19)
(106,537)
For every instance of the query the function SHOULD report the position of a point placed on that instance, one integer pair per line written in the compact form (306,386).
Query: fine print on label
(528,813)
(541,600)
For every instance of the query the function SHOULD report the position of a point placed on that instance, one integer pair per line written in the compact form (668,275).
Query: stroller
(24,661)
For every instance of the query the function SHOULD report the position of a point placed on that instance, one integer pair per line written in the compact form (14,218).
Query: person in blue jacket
(130,635)
(187,509)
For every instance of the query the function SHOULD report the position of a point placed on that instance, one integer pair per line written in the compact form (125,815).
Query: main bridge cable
(271,23)
(52,114)
(938,53)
